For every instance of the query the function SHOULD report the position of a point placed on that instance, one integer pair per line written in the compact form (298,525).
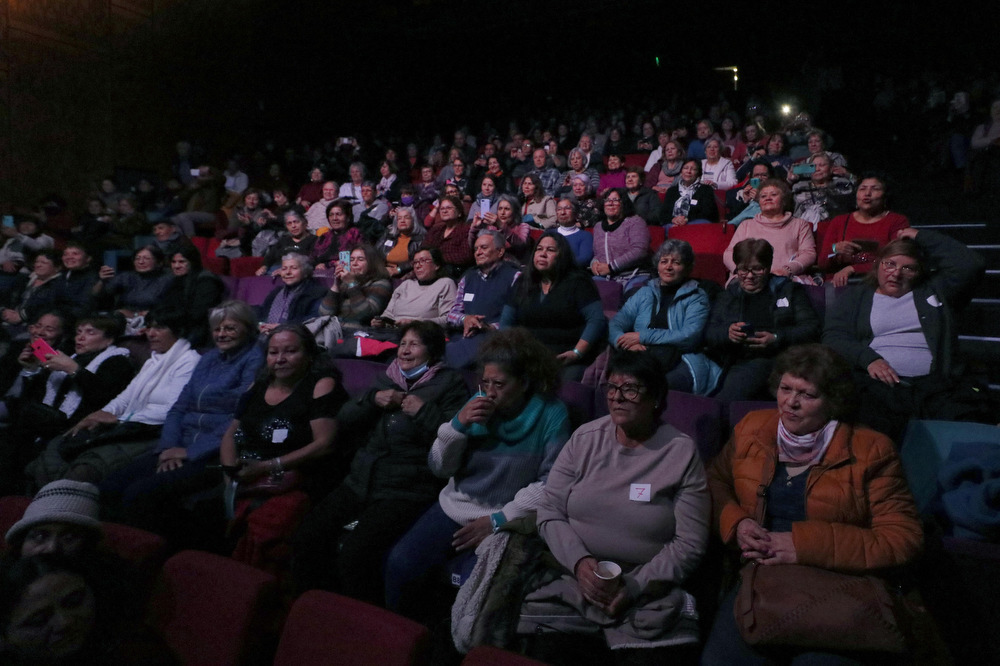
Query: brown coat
(860,513)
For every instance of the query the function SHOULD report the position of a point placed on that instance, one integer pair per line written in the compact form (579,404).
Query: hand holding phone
(42,350)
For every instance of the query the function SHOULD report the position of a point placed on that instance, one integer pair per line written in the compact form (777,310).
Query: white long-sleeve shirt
(151,407)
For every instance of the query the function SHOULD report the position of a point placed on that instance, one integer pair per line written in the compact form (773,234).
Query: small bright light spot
(785,109)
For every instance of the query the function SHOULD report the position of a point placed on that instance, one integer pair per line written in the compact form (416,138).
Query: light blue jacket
(687,315)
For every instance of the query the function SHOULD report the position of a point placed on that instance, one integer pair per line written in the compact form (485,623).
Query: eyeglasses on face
(890,266)
(630,392)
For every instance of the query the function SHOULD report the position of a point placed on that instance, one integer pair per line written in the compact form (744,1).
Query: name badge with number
(640,492)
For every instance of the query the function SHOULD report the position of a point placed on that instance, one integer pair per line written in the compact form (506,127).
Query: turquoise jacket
(687,315)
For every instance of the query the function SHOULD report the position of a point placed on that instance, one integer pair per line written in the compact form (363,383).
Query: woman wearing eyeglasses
(898,332)
(756,317)
(629,489)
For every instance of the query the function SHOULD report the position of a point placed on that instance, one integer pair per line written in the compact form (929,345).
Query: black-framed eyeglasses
(756,270)
(630,392)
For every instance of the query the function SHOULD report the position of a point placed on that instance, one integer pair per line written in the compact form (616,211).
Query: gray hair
(678,248)
(360,165)
(235,310)
(579,152)
(498,240)
(418,226)
(302,260)
(572,201)
(515,206)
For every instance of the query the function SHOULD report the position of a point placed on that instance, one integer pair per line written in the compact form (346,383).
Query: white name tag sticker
(279,435)
(467,297)
(782,303)
(388,243)
(694,202)
(934,302)
(639,492)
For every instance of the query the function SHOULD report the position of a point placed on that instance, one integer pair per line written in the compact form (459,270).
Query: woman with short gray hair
(667,318)
(294,301)
(149,492)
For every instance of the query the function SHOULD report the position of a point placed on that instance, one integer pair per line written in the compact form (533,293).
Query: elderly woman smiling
(666,318)
(297,299)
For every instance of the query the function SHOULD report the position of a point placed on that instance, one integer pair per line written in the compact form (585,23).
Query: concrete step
(980,318)
(970,233)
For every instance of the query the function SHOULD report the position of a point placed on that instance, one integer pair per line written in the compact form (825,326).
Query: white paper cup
(608,570)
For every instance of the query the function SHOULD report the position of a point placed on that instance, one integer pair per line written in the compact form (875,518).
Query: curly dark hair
(829,372)
(523,357)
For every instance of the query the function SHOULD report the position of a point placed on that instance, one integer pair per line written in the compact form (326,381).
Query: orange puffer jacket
(860,513)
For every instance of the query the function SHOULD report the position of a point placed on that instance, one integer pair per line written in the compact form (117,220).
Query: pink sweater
(791,238)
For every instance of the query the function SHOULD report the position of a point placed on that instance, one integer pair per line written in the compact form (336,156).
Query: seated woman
(389,183)
(559,306)
(688,201)
(193,290)
(78,279)
(897,331)
(341,236)
(823,195)
(614,176)
(504,184)
(359,292)
(297,240)
(451,236)
(578,167)
(662,176)
(666,318)
(589,513)
(621,243)
(496,454)
(389,485)
(851,241)
(646,202)
(758,316)
(130,424)
(283,427)
(40,290)
(401,241)
(589,209)
(801,484)
(245,223)
(484,207)
(791,239)
(816,144)
(507,221)
(773,153)
(537,208)
(149,492)
(133,293)
(717,171)
(741,201)
(50,397)
(297,299)
(567,226)
(429,296)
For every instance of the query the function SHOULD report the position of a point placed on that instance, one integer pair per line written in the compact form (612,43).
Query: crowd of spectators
(489,252)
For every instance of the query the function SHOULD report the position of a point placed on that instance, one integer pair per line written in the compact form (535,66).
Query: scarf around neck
(805,449)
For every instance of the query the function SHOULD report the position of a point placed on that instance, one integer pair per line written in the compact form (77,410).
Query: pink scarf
(804,449)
